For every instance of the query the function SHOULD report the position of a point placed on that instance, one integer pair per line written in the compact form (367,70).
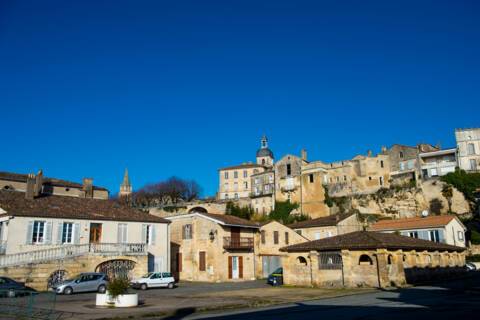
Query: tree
(447,192)
(282,212)
(436,206)
(241,212)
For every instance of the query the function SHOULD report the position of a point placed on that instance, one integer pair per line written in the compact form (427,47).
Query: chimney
(30,190)
(88,187)
(369,153)
(304,155)
(37,190)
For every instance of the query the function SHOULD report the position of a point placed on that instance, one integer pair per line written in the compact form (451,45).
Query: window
(122,233)
(413,234)
(202,263)
(187,232)
(344,178)
(1,231)
(245,174)
(401,155)
(226,195)
(286,238)
(470,148)
(67,232)
(38,235)
(235,174)
(402,166)
(329,261)
(235,186)
(226,186)
(263,161)
(434,235)
(370,178)
(148,234)
(245,184)
(365,260)
(381,181)
(390,259)
(310,177)
(318,236)
(289,169)
(460,235)
(236,195)
(473,164)
(262,236)
(275,237)
(381,164)
(226,175)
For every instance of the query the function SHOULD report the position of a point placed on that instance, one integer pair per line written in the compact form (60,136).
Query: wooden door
(230,259)
(240,267)
(235,235)
(95,232)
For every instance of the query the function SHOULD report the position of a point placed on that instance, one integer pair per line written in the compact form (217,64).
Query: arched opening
(198,209)
(116,268)
(301,261)
(56,277)
(365,260)
(390,259)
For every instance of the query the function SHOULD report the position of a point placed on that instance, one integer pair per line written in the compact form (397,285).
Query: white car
(154,280)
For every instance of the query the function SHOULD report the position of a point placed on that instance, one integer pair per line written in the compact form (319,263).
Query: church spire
(125,187)
(264,142)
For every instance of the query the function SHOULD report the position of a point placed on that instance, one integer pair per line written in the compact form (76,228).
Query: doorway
(235,267)
(95,232)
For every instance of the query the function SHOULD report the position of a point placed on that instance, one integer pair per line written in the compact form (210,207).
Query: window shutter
(119,233)
(441,236)
(286,237)
(263,236)
(179,262)
(76,230)
(48,232)
(230,267)
(183,232)
(29,232)
(59,232)
(153,234)
(202,263)
(240,267)
(144,233)
(275,237)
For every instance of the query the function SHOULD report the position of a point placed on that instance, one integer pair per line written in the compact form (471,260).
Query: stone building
(437,163)
(263,192)
(49,231)
(288,171)
(35,185)
(468,149)
(212,247)
(369,259)
(312,191)
(235,181)
(325,227)
(443,229)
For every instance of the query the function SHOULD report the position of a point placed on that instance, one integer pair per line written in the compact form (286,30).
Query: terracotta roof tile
(231,220)
(64,207)
(412,223)
(369,240)
(320,222)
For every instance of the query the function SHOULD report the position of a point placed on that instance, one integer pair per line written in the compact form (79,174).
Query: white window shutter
(144,233)
(153,234)
(76,230)
(29,232)
(119,233)
(59,232)
(48,232)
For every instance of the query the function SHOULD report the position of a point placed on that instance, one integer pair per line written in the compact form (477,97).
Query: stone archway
(198,209)
(119,268)
(56,277)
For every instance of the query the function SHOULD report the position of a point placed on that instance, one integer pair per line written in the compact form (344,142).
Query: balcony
(242,243)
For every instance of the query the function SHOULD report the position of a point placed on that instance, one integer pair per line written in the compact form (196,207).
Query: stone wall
(36,275)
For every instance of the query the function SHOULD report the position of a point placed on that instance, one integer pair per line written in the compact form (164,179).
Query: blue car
(276,278)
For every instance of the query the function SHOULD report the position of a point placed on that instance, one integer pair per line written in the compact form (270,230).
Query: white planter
(121,301)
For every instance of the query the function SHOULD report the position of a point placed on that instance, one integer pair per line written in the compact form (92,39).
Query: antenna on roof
(425,213)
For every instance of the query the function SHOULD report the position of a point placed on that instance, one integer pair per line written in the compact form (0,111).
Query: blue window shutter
(153,234)
(29,232)
(144,233)
(59,232)
(441,236)
(76,235)
(48,232)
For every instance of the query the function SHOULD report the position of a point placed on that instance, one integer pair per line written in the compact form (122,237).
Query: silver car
(84,282)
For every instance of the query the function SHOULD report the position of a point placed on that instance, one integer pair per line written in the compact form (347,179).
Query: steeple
(264,154)
(264,142)
(125,187)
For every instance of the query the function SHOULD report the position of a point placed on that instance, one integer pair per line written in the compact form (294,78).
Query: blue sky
(183,88)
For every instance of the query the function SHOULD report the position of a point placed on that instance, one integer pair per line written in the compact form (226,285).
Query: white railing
(69,251)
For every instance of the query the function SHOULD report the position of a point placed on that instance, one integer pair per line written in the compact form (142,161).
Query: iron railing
(68,251)
(237,243)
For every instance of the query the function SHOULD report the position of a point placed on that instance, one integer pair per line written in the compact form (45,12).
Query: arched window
(301,260)
(365,260)
(390,259)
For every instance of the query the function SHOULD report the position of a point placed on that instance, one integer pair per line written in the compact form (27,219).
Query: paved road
(458,299)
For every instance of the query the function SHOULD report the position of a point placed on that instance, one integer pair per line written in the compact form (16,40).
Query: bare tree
(173,190)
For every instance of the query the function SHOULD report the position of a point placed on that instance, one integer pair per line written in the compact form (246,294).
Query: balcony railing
(69,251)
(242,243)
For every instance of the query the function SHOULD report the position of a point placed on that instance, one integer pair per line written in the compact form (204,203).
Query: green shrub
(464,182)
(118,286)
(328,200)
(436,206)
(474,258)
(475,237)
(282,214)
(241,212)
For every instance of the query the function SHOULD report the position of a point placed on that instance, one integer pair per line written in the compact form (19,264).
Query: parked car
(470,266)
(11,288)
(84,282)
(276,278)
(154,280)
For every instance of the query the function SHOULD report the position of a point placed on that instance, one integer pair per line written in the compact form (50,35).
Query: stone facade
(313,193)
(468,146)
(315,230)
(263,192)
(235,182)
(288,178)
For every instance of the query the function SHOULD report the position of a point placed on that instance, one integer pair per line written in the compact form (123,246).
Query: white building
(444,229)
(468,146)
(437,163)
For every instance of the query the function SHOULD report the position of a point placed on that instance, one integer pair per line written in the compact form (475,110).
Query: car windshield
(279,270)
(148,275)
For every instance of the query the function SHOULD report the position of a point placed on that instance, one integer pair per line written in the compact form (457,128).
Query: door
(235,268)
(235,235)
(95,232)
(270,264)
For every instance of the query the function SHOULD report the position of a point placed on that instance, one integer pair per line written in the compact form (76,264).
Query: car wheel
(68,291)
(143,286)
(102,288)
(171,285)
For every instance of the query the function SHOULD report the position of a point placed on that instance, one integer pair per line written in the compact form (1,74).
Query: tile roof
(368,240)
(230,220)
(320,222)
(63,207)
(412,223)
(20,177)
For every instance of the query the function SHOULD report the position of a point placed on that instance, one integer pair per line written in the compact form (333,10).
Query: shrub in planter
(117,287)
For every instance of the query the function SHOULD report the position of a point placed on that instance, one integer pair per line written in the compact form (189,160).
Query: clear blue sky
(183,88)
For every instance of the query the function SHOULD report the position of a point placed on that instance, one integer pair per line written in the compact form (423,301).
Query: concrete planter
(121,301)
